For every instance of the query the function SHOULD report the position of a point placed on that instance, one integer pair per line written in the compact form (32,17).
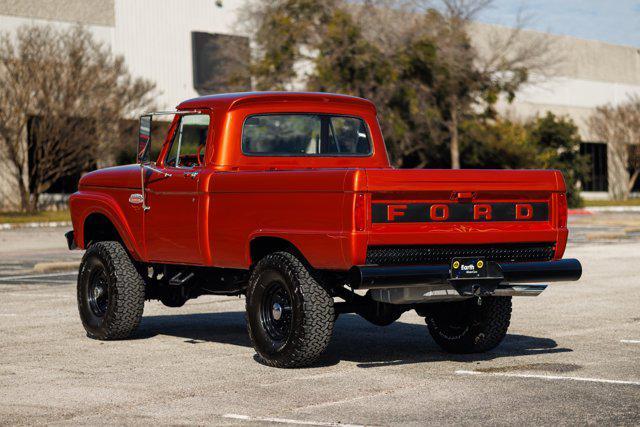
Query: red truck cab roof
(228,112)
(230,101)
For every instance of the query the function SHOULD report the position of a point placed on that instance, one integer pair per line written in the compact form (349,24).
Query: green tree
(497,144)
(558,145)
(346,62)
(415,62)
(286,34)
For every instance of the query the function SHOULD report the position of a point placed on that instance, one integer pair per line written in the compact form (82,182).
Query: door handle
(191,175)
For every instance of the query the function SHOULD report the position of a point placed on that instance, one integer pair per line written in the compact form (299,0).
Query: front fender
(86,202)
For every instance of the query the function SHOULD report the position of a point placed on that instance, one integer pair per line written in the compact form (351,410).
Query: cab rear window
(305,135)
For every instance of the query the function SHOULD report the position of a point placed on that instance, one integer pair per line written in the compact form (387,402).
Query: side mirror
(144,139)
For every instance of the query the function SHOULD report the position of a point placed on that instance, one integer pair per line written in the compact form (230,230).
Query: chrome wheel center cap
(276,311)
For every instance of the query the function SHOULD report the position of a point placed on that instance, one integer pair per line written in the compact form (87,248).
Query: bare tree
(475,74)
(435,76)
(61,97)
(479,77)
(619,127)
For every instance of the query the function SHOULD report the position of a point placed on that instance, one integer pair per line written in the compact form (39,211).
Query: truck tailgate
(421,209)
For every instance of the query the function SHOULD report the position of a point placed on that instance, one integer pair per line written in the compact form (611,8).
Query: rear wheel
(470,326)
(110,292)
(289,315)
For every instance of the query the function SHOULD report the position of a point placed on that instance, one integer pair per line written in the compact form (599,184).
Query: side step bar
(382,277)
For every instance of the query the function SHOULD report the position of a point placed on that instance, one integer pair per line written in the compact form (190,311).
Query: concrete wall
(9,194)
(9,198)
(155,38)
(9,24)
(582,75)
(91,12)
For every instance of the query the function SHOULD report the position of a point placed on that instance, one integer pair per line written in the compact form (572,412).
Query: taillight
(360,213)
(562,210)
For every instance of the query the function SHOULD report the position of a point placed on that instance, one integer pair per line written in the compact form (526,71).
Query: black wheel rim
(456,323)
(453,331)
(275,311)
(98,291)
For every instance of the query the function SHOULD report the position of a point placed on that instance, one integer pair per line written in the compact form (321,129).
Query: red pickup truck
(289,199)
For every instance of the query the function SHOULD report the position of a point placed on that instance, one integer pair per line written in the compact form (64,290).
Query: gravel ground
(571,357)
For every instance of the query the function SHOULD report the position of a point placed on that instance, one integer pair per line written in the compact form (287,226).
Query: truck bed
(319,211)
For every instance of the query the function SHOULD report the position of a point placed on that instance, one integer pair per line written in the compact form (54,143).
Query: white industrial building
(178,44)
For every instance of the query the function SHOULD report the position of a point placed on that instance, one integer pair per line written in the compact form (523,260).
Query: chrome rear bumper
(424,283)
(376,277)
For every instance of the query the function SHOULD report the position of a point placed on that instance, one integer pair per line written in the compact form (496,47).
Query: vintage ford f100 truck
(289,199)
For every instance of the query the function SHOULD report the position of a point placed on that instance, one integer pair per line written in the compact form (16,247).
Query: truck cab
(289,199)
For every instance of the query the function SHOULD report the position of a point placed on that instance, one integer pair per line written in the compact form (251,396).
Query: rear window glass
(305,135)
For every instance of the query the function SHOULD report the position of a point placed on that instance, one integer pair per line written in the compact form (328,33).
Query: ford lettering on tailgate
(459,212)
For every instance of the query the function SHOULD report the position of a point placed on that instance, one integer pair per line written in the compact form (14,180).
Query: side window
(189,140)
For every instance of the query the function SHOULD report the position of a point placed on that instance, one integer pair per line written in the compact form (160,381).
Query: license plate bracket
(468,268)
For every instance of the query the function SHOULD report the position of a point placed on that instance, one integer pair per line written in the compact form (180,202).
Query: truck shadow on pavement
(354,339)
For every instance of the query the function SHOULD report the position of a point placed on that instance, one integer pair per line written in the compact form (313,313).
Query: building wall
(9,24)
(90,12)
(155,38)
(581,75)
(8,197)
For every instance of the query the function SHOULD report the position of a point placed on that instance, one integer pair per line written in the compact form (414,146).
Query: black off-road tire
(125,292)
(311,312)
(469,327)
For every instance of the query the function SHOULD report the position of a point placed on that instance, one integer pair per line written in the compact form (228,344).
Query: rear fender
(319,250)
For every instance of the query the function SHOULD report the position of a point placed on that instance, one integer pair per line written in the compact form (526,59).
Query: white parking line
(286,421)
(45,280)
(26,294)
(630,341)
(549,377)
(35,276)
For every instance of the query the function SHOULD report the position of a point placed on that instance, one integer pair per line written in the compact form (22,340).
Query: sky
(611,21)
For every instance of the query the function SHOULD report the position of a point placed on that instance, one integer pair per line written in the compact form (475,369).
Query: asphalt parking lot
(572,356)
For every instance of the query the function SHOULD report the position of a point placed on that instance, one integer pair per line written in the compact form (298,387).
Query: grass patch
(630,202)
(21,217)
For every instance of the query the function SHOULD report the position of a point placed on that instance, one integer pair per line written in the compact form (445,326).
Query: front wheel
(289,315)
(471,326)
(110,292)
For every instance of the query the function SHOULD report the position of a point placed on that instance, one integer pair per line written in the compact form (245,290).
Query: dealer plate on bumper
(468,268)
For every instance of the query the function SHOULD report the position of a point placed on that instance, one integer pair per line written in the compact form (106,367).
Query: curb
(46,267)
(16,225)
(595,236)
(579,212)
(599,209)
